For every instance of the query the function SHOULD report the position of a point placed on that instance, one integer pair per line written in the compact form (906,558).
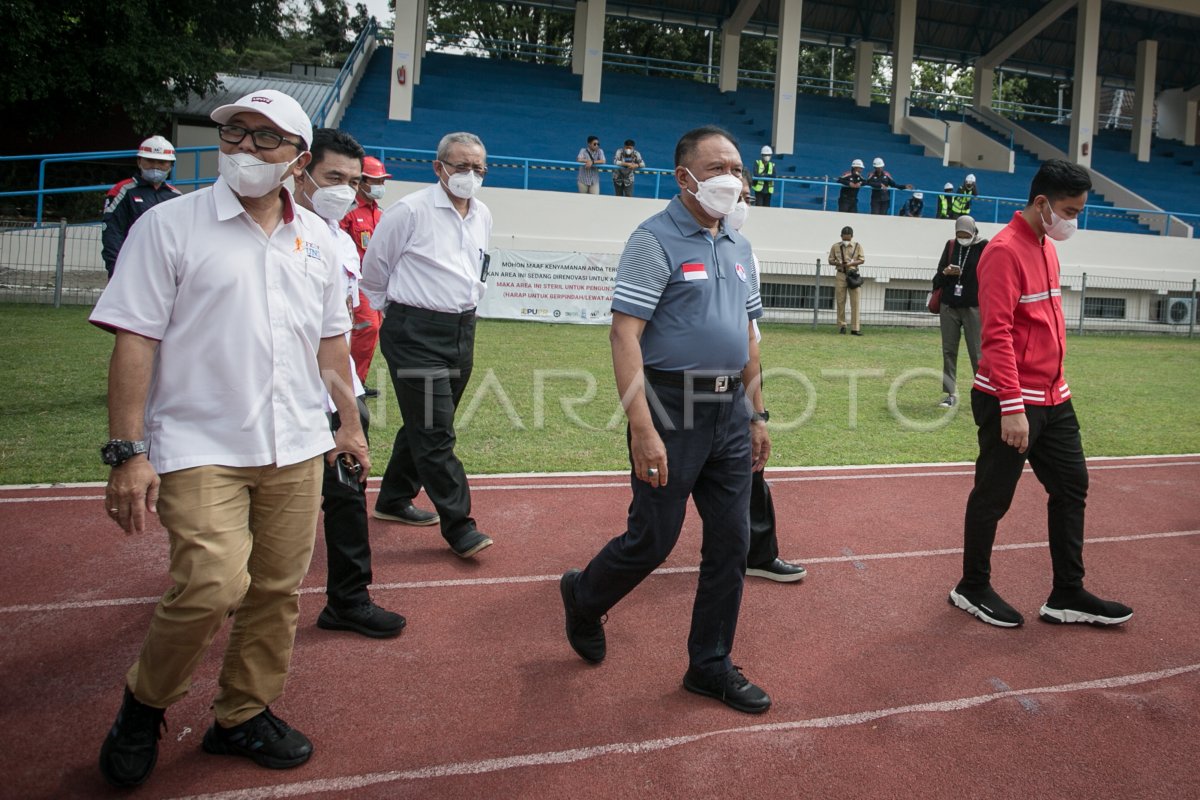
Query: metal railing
(347,72)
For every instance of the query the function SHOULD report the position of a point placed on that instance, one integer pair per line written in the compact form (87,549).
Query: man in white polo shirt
(425,268)
(229,311)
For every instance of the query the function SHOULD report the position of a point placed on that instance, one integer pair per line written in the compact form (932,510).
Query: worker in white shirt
(328,188)
(425,268)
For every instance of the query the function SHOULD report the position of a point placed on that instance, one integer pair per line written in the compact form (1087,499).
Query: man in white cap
(851,182)
(229,311)
(944,201)
(961,204)
(132,197)
(764,170)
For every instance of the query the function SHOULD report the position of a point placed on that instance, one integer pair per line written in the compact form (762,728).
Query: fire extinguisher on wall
(402,75)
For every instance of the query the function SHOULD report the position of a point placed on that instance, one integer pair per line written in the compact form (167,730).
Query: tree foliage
(71,62)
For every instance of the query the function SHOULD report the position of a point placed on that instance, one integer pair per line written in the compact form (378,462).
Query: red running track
(881,689)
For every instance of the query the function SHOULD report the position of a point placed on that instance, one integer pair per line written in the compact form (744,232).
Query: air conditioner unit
(1180,311)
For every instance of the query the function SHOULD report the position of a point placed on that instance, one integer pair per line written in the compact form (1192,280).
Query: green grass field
(542,398)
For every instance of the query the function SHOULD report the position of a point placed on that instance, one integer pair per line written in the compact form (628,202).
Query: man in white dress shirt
(229,313)
(425,269)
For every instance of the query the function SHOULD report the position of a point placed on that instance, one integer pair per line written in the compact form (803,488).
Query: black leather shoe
(265,739)
(732,689)
(778,570)
(856,333)
(470,544)
(842,329)
(367,619)
(586,635)
(409,515)
(130,750)
(369,392)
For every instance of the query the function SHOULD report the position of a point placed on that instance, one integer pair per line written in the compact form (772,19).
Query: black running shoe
(130,750)
(1080,605)
(367,619)
(987,605)
(265,739)
(586,634)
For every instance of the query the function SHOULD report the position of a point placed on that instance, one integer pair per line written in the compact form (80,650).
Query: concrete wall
(1178,111)
(959,145)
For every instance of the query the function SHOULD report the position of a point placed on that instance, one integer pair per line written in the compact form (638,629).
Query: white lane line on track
(349,783)
(774,478)
(853,558)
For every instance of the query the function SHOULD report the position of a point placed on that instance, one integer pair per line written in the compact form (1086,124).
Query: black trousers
(1056,455)
(709,462)
(430,356)
(848,204)
(764,544)
(347,545)
(879,205)
(763,198)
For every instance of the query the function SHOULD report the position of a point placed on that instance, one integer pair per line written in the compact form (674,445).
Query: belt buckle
(721,383)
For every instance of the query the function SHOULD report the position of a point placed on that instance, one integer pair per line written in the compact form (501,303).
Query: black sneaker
(778,570)
(369,392)
(408,515)
(856,333)
(130,750)
(732,689)
(367,619)
(586,634)
(1080,605)
(265,739)
(470,544)
(987,605)
(842,329)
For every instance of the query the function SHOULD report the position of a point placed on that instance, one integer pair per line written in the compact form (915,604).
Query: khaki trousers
(241,539)
(840,292)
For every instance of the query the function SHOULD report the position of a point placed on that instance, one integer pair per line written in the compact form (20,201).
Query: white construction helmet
(766,150)
(949,187)
(918,195)
(157,148)
(971,178)
(856,163)
(877,163)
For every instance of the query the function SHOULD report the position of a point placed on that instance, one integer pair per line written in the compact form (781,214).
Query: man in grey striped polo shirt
(686,365)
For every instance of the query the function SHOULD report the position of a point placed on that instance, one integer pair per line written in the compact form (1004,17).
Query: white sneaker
(950,402)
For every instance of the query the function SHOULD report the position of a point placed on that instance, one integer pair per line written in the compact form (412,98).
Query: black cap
(847,231)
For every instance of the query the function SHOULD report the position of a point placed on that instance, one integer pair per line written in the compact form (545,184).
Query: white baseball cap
(280,108)
(971,178)
(157,148)
(877,163)
(766,150)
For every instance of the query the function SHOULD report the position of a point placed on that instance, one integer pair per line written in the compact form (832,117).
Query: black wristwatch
(760,416)
(116,452)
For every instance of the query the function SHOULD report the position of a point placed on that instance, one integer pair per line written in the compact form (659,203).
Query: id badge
(958,290)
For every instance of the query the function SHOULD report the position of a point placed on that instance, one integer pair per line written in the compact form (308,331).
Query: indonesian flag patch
(694,272)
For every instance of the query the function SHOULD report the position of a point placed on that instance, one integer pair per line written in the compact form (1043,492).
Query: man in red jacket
(1022,406)
(360,224)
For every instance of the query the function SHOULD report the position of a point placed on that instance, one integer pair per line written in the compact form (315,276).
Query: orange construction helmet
(373,168)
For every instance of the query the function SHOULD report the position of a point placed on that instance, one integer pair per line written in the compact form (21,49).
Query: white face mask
(376,191)
(155,175)
(1060,229)
(464,184)
(718,195)
(331,202)
(249,176)
(737,218)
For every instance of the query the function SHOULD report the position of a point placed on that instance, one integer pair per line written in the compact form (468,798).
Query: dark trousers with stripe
(430,355)
(347,544)
(709,462)
(1056,454)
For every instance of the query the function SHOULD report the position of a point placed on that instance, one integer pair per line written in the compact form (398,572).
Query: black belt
(698,380)
(425,313)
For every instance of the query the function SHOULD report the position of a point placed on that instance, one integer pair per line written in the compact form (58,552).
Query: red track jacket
(1020,308)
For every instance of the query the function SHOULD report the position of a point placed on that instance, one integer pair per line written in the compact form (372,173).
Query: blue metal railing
(335,91)
(531,174)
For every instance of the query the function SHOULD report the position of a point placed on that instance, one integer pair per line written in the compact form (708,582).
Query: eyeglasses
(481,171)
(263,139)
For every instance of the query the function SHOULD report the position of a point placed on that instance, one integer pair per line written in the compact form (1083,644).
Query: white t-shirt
(424,254)
(239,318)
